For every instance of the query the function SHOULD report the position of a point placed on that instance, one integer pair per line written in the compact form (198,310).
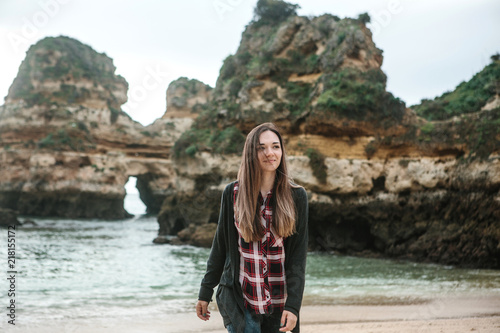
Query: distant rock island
(383,179)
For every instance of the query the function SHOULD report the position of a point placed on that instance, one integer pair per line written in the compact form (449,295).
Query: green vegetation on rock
(300,96)
(468,96)
(365,18)
(273,11)
(75,138)
(355,94)
(468,136)
(317,164)
(72,94)
(227,141)
(479,133)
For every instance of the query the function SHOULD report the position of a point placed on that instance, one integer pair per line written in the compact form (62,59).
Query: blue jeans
(269,324)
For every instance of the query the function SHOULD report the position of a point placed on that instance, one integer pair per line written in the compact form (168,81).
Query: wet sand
(472,314)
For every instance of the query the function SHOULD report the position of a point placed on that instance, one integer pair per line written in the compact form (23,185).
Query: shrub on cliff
(468,96)
(227,141)
(75,138)
(317,164)
(299,95)
(355,94)
(273,11)
(364,18)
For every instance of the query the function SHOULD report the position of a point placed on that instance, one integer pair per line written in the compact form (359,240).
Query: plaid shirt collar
(262,265)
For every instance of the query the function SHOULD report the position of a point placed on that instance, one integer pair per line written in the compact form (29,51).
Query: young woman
(258,255)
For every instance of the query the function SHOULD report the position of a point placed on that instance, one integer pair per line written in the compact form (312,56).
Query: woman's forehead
(268,137)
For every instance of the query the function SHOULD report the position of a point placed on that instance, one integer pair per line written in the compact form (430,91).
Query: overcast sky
(429,46)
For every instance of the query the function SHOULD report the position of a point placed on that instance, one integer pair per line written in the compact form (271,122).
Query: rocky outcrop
(319,75)
(8,218)
(76,184)
(67,148)
(381,180)
(198,235)
(61,71)
(185,98)
(199,182)
(434,209)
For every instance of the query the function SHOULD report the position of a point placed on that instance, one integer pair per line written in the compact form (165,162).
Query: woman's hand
(202,310)
(288,319)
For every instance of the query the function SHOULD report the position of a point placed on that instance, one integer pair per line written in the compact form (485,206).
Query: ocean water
(75,269)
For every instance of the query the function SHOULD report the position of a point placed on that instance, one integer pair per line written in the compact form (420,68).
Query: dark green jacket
(224,262)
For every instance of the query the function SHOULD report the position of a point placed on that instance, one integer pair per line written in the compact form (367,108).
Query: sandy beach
(472,314)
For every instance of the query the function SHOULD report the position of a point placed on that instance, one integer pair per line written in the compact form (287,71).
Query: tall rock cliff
(67,148)
(381,179)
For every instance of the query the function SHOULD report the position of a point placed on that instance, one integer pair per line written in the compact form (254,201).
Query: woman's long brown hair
(249,180)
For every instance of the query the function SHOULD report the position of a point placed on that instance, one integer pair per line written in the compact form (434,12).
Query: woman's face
(269,151)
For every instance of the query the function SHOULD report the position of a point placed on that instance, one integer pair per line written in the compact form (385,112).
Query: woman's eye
(262,148)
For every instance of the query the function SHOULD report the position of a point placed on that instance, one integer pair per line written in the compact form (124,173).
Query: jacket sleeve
(296,253)
(217,258)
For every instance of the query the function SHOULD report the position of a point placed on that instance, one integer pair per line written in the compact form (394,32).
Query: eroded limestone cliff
(67,148)
(381,180)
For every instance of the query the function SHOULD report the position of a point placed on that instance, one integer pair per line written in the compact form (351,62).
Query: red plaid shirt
(262,265)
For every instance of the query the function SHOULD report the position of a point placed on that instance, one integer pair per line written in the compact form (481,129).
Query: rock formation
(382,179)
(67,148)
(8,218)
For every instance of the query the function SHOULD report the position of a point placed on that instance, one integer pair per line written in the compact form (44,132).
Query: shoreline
(451,314)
